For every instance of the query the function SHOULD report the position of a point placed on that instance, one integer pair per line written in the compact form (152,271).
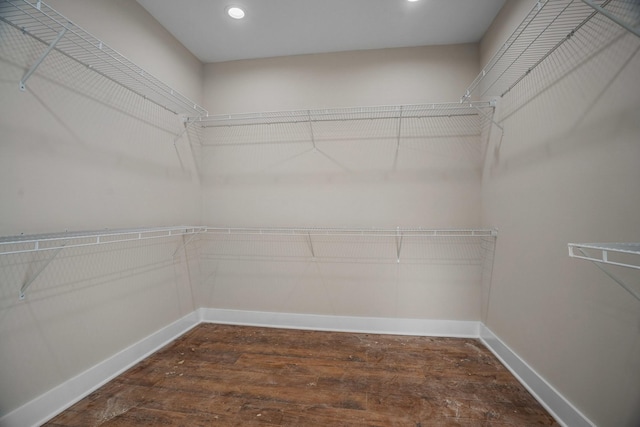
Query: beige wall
(78,152)
(346,79)
(565,171)
(346,182)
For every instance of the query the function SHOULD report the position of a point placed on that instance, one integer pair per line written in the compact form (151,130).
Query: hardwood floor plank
(245,376)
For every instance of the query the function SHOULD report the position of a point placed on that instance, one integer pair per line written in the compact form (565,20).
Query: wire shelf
(347,245)
(604,250)
(451,109)
(56,241)
(46,25)
(351,232)
(452,129)
(546,27)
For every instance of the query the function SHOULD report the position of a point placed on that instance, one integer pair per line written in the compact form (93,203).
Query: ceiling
(294,27)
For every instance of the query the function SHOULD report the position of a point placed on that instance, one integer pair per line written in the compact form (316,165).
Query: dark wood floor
(238,376)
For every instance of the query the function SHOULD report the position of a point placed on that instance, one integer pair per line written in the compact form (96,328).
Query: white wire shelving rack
(346,245)
(548,25)
(618,254)
(464,123)
(273,243)
(603,250)
(397,112)
(54,243)
(56,32)
(346,232)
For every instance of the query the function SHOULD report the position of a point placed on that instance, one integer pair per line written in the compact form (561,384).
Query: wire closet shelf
(600,252)
(55,241)
(347,245)
(415,111)
(58,33)
(346,232)
(547,26)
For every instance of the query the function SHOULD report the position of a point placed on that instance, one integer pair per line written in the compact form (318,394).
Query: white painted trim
(317,322)
(56,400)
(557,405)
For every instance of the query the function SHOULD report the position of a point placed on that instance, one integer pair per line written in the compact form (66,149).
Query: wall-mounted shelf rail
(601,254)
(56,241)
(603,251)
(548,25)
(56,32)
(414,111)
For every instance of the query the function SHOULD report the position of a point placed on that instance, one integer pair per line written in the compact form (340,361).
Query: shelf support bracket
(28,283)
(184,245)
(399,238)
(612,17)
(23,81)
(395,159)
(313,253)
(488,117)
(611,275)
(313,138)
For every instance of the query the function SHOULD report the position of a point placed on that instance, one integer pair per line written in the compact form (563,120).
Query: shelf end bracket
(399,237)
(184,244)
(603,269)
(25,285)
(23,81)
(313,253)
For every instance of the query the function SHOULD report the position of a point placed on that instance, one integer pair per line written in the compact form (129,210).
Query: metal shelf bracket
(313,137)
(313,252)
(184,244)
(25,285)
(399,237)
(23,81)
(600,262)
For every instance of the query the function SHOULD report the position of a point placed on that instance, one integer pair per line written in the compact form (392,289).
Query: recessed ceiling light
(235,12)
(412,0)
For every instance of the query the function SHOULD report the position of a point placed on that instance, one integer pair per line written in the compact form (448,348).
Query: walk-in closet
(355,212)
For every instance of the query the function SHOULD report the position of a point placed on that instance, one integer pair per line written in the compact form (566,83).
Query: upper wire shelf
(545,28)
(344,114)
(56,241)
(46,25)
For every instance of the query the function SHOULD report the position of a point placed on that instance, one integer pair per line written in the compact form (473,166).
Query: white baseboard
(370,325)
(559,407)
(49,404)
(54,401)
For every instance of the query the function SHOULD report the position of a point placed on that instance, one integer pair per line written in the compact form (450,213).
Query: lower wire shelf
(411,245)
